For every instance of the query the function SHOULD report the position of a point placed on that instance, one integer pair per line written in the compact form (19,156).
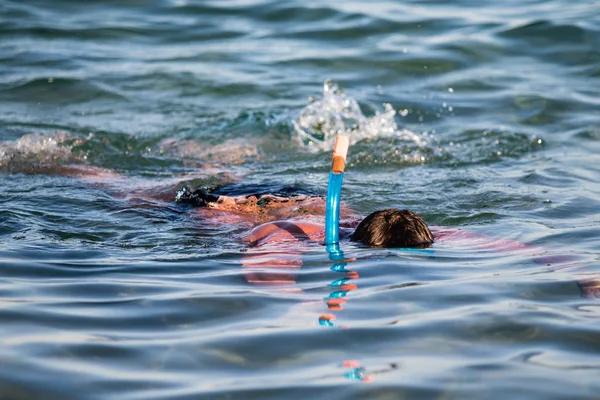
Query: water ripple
(481,117)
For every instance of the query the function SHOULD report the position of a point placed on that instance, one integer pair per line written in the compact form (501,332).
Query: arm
(276,251)
(590,288)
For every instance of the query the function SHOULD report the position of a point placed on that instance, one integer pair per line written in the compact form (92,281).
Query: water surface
(478,116)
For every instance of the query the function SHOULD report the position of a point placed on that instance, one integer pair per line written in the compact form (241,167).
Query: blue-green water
(483,116)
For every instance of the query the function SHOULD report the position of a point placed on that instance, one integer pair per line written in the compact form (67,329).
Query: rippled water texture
(479,116)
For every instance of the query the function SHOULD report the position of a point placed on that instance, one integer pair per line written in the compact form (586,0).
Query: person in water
(282,225)
(282,221)
(390,228)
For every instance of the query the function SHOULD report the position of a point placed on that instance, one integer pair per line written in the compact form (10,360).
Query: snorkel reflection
(337,298)
(332,230)
(341,287)
(335,302)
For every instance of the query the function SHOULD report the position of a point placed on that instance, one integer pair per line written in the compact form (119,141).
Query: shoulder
(286,229)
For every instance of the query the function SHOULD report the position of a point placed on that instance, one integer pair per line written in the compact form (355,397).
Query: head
(393,228)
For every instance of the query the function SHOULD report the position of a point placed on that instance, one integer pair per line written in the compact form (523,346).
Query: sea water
(481,117)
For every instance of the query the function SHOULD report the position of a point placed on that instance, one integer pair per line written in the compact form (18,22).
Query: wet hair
(260,189)
(202,196)
(198,198)
(393,228)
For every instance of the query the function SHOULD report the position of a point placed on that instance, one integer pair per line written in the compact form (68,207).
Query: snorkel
(334,192)
(332,232)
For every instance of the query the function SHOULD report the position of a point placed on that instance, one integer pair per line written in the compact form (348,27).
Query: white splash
(339,114)
(35,149)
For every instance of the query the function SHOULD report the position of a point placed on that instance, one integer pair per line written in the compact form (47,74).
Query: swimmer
(284,226)
(384,228)
(280,228)
(284,220)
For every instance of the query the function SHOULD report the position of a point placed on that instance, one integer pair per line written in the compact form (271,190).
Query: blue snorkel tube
(334,194)
(332,210)
(332,221)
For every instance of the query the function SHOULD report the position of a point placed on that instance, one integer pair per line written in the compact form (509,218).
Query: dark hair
(393,228)
(199,197)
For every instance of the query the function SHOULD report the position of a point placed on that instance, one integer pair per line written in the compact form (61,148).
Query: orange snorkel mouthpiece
(340,151)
